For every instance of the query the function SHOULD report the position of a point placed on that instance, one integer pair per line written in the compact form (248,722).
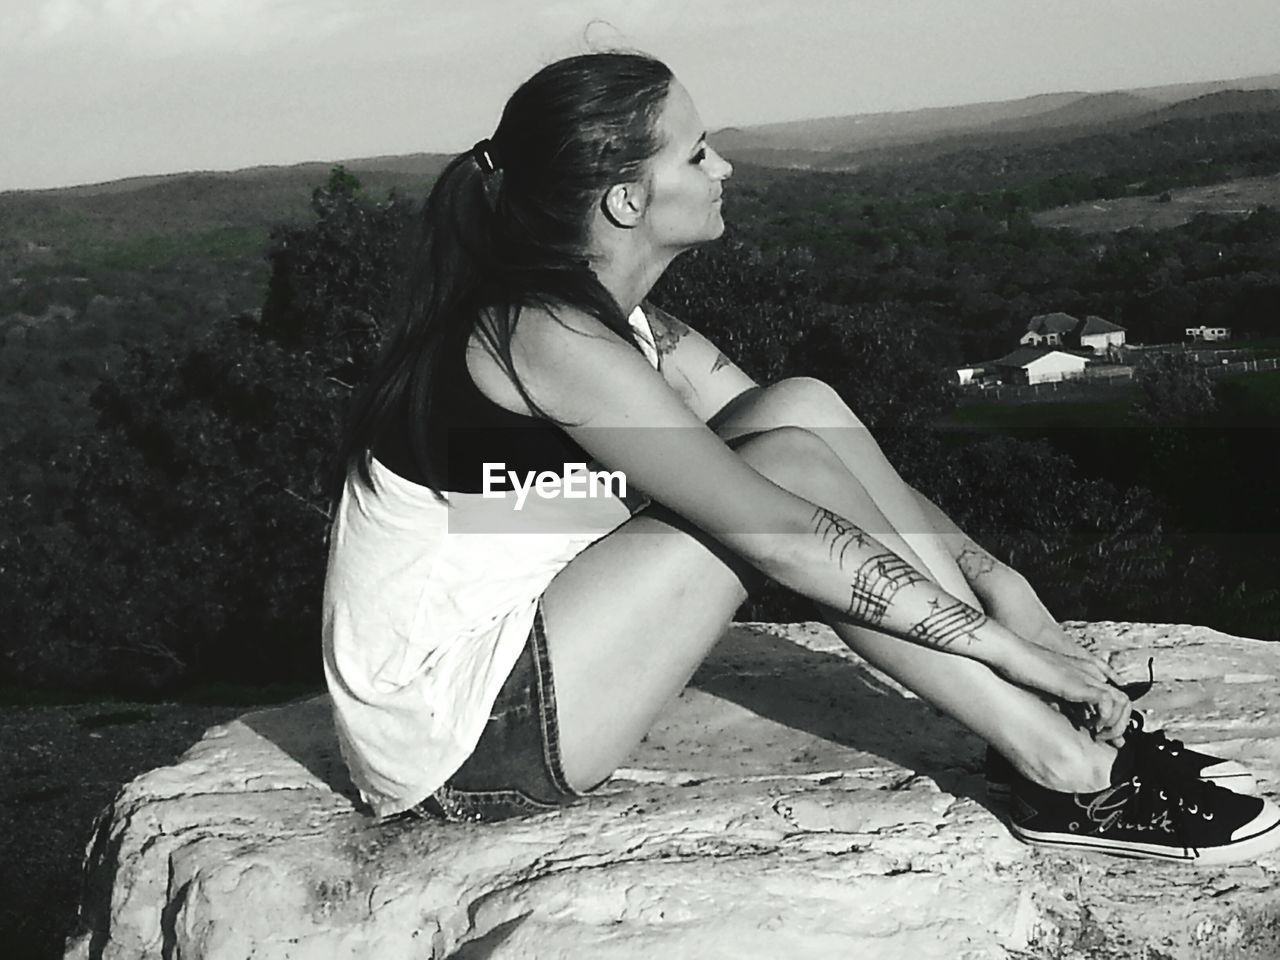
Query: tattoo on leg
(876,583)
(721,361)
(948,625)
(974,562)
(838,533)
(877,579)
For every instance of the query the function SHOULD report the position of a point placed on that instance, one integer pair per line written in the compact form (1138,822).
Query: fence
(1245,366)
(1083,388)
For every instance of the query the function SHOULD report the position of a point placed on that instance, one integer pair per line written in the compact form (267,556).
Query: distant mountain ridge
(1226,101)
(837,142)
(313,172)
(1089,109)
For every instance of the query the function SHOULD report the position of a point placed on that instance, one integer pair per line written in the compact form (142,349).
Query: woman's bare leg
(1039,740)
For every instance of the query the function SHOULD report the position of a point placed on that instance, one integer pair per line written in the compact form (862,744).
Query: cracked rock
(794,802)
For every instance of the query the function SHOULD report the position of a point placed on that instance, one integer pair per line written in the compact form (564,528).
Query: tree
(1176,390)
(332,280)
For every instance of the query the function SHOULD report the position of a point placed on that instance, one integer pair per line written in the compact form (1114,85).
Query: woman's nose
(724,170)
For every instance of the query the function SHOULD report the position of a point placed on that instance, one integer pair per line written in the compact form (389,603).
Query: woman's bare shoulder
(559,339)
(555,325)
(568,361)
(539,334)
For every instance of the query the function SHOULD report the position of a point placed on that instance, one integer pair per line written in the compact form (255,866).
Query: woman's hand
(1086,680)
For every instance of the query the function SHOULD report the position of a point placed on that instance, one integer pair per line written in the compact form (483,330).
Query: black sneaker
(1152,814)
(1186,761)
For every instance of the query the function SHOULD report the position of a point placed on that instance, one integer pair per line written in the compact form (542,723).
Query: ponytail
(505,227)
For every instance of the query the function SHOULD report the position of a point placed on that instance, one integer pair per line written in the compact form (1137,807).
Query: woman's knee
(806,402)
(810,404)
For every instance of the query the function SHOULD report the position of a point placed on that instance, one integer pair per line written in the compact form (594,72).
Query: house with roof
(1062,329)
(1097,335)
(1040,365)
(1208,333)
(1048,329)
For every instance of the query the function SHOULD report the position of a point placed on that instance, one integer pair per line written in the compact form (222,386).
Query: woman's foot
(1150,811)
(1185,761)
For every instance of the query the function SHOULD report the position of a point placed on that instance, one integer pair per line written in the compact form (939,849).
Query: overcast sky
(94,90)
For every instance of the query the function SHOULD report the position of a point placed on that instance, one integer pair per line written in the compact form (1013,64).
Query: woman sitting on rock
(503,625)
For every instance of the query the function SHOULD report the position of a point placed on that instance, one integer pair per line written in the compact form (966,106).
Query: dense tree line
(978,269)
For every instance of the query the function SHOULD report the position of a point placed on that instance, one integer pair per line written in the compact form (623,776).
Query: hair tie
(486,157)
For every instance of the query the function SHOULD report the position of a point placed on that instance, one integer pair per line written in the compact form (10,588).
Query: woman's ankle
(1084,766)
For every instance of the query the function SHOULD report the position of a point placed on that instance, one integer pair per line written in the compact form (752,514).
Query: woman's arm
(1005,594)
(625,415)
(694,367)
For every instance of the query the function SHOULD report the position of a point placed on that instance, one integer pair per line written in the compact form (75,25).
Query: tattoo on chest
(948,624)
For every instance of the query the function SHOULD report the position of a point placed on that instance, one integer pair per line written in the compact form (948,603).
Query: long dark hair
(505,227)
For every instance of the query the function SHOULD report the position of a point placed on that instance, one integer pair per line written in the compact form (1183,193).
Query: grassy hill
(1234,197)
(144,221)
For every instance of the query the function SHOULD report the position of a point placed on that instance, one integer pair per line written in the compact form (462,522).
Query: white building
(1040,365)
(1208,333)
(1098,335)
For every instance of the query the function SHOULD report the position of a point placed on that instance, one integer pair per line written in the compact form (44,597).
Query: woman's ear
(624,204)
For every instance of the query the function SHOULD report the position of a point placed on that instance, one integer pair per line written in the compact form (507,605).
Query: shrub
(194,542)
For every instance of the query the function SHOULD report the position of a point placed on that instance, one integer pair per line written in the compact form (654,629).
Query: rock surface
(795,802)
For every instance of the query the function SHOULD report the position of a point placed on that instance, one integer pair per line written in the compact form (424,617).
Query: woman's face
(685,178)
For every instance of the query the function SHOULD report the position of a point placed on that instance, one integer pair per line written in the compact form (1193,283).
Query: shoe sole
(1263,840)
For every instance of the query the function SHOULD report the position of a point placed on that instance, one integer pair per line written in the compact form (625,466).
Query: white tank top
(423,618)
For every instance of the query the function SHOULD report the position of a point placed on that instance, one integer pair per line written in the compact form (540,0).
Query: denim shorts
(515,768)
